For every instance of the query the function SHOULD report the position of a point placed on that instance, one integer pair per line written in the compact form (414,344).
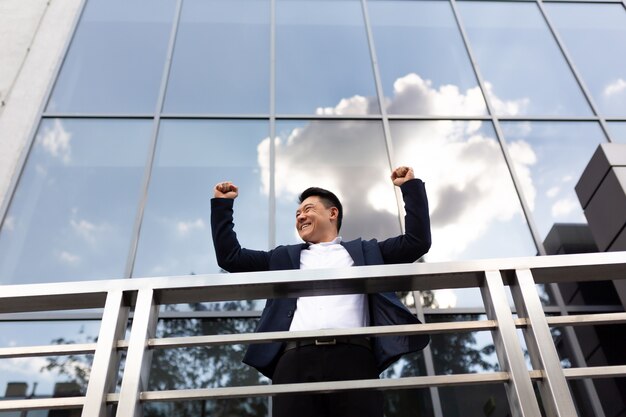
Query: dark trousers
(327,363)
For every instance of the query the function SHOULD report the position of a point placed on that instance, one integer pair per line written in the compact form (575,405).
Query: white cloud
(56,141)
(552,192)
(564,206)
(9,223)
(69,258)
(85,229)
(355,105)
(445,299)
(468,185)
(26,368)
(616,87)
(524,157)
(184,228)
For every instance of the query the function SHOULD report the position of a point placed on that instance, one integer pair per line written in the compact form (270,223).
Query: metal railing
(144,295)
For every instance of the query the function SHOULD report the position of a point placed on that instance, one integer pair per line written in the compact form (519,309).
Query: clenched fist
(225,189)
(401,175)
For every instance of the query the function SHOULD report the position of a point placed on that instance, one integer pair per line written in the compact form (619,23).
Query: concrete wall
(33,35)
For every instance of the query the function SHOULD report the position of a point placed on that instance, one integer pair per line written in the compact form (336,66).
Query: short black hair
(327,198)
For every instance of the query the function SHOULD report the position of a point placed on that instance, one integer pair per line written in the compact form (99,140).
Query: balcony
(144,296)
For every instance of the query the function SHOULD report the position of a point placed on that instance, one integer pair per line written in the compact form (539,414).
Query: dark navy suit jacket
(385,308)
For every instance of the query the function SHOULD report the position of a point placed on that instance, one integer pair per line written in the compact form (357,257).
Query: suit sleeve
(415,242)
(230,255)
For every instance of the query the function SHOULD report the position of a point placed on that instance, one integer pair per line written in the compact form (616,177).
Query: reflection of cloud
(616,87)
(564,206)
(26,368)
(468,185)
(523,157)
(414,95)
(56,141)
(552,192)
(85,229)
(445,299)
(184,228)
(9,223)
(356,105)
(68,258)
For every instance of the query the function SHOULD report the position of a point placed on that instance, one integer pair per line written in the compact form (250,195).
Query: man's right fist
(225,189)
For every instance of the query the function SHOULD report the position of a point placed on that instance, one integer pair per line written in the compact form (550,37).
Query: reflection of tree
(205,367)
(72,368)
(187,368)
(453,353)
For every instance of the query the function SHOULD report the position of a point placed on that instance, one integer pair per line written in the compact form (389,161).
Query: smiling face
(316,223)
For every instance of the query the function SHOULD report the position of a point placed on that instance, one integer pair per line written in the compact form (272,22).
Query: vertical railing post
(104,368)
(428,359)
(555,393)
(137,369)
(519,388)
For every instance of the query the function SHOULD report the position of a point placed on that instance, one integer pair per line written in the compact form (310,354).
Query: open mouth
(305,226)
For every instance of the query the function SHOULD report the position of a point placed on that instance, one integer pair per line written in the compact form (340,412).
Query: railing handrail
(295,283)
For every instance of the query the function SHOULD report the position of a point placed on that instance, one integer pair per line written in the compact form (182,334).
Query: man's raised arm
(416,240)
(230,255)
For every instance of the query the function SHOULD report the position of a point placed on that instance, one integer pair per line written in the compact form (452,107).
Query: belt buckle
(319,342)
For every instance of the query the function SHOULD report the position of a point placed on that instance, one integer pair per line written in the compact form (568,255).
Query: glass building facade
(498,106)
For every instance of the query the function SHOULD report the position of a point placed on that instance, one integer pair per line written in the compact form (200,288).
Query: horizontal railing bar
(587,319)
(42,403)
(311,387)
(48,350)
(274,284)
(616,371)
(370,384)
(264,337)
(167,315)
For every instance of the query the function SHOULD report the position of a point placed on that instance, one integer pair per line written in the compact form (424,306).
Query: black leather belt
(359,341)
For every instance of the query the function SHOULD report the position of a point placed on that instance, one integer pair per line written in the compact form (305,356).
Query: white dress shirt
(329,311)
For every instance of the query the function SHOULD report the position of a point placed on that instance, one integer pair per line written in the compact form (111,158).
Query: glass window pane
(523,69)
(617,130)
(192,156)
(50,376)
(231,73)
(475,211)
(424,67)
(73,211)
(116,59)
(322,58)
(595,36)
(548,174)
(348,158)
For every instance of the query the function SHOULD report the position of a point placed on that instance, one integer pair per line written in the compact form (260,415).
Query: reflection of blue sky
(520,59)
(617,130)
(421,41)
(193,156)
(116,59)
(549,173)
(595,36)
(321,56)
(231,73)
(72,215)
(28,370)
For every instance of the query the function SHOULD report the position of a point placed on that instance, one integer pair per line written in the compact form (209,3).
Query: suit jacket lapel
(355,249)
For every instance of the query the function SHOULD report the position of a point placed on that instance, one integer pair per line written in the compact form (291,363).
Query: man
(318,221)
